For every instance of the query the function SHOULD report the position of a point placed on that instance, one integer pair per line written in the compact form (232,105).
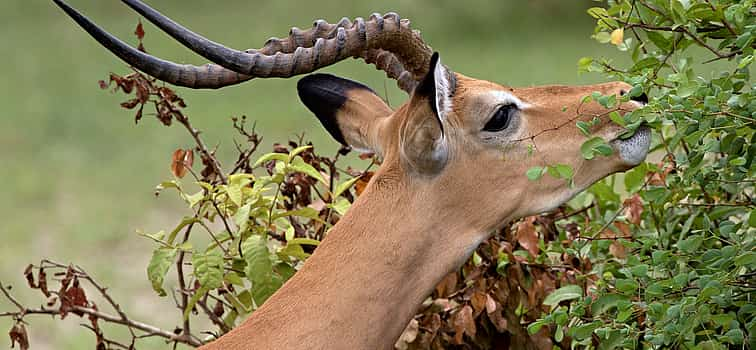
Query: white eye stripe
(505,98)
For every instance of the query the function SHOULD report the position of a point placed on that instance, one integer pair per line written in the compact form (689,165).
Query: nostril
(642,98)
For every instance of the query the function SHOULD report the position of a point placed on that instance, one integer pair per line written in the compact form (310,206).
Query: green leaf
(257,257)
(501,264)
(241,218)
(584,127)
(565,171)
(271,156)
(626,285)
(690,244)
(293,250)
(602,37)
(342,187)
(297,151)
(341,206)
(193,301)
(565,293)
(747,259)
(635,178)
(536,326)
(299,165)
(584,331)
(235,194)
(597,12)
(305,241)
(208,268)
(588,148)
(305,212)
(617,118)
(752,218)
(535,173)
(604,150)
(161,261)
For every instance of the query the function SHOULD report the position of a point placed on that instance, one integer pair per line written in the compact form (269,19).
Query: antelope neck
(365,281)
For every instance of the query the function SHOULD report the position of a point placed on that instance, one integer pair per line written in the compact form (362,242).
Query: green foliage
(268,227)
(674,265)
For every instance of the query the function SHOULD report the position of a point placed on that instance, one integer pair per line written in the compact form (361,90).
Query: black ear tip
(308,81)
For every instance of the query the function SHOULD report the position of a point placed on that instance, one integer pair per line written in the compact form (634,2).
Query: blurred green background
(78,176)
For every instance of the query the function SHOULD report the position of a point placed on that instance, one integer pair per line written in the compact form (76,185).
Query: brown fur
(407,231)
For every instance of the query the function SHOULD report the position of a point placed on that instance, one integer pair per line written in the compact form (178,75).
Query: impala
(453,171)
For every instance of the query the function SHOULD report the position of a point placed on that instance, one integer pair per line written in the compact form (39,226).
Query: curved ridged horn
(386,41)
(209,76)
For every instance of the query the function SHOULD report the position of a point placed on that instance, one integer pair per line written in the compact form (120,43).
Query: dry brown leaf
(463,324)
(362,183)
(478,302)
(633,209)
(18,335)
(617,249)
(527,236)
(73,296)
(447,285)
(366,155)
(29,274)
(408,336)
(490,304)
(181,161)
(139,32)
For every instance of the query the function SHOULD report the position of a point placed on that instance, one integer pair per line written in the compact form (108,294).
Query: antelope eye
(501,118)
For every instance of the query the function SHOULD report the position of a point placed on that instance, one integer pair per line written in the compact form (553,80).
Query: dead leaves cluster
(68,298)
(489,305)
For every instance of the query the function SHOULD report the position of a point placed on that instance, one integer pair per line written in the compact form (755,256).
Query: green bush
(660,257)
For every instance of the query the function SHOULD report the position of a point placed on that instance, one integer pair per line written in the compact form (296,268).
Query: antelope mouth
(633,150)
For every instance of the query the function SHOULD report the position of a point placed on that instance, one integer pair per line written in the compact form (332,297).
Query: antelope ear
(424,145)
(351,112)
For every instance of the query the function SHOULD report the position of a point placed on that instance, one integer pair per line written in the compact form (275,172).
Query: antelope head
(454,156)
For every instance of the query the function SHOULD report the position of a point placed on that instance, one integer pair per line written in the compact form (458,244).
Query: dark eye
(501,118)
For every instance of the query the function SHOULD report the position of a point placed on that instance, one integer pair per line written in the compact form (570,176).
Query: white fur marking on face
(504,98)
(443,90)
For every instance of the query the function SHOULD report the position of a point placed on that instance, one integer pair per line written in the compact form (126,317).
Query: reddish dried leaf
(527,236)
(478,302)
(447,286)
(218,309)
(633,209)
(72,297)
(181,161)
(139,32)
(491,304)
(366,155)
(103,85)
(408,335)
(29,274)
(362,183)
(69,274)
(623,228)
(18,335)
(617,249)
(42,282)
(130,104)
(499,321)
(463,324)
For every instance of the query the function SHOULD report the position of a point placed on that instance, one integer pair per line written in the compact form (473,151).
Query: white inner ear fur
(443,90)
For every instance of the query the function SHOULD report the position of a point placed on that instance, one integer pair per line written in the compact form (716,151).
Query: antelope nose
(642,98)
